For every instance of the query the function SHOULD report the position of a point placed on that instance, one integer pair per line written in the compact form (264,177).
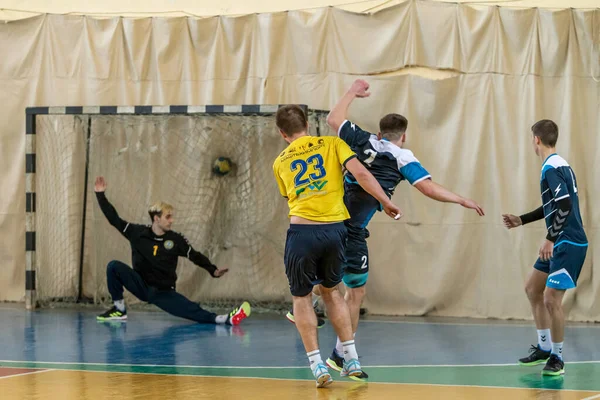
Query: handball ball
(222,166)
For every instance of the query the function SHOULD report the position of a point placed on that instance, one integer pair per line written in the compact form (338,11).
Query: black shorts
(361,206)
(314,254)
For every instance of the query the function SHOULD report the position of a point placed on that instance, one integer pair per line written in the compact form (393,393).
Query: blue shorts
(564,267)
(361,206)
(314,255)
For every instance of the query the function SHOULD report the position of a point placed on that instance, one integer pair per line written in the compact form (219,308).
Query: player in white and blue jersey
(384,156)
(562,253)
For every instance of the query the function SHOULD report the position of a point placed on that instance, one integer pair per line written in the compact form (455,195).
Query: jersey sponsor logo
(316,186)
(557,189)
(169,244)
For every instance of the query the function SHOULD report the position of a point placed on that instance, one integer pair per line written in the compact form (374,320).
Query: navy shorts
(564,267)
(314,254)
(361,206)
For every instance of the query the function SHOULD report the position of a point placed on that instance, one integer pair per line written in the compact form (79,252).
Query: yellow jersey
(309,173)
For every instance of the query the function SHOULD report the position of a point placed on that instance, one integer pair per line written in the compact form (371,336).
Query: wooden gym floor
(66,354)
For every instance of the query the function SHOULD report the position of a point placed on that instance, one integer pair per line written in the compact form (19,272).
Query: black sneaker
(554,367)
(537,356)
(336,363)
(290,317)
(114,314)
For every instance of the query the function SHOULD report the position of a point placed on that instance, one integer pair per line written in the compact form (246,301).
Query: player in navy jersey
(384,156)
(562,253)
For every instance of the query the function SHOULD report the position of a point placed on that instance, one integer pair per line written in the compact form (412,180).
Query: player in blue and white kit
(562,253)
(384,156)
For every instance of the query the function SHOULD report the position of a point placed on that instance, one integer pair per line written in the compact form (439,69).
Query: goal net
(238,220)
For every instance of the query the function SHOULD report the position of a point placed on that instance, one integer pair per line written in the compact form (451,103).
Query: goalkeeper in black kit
(155,250)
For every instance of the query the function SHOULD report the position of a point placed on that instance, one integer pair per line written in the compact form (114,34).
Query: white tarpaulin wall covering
(502,69)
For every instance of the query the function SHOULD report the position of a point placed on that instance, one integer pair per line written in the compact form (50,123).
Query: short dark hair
(291,119)
(393,126)
(547,131)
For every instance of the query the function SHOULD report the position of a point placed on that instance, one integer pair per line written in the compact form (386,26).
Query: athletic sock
(314,359)
(544,339)
(339,348)
(557,348)
(120,305)
(349,350)
(221,319)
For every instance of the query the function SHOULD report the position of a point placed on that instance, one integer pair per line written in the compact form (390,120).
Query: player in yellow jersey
(309,174)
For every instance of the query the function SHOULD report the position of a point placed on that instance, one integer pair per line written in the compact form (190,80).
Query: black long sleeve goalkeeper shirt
(153,256)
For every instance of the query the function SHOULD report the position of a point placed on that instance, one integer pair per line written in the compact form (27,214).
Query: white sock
(557,348)
(349,350)
(314,359)
(339,348)
(221,319)
(120,304)
(544,339)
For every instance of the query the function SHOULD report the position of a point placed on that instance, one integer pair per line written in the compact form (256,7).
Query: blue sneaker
(322,375)
(336,363)
(351,368)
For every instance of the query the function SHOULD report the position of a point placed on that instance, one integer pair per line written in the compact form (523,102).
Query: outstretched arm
(339,112)
(107,209)
(203,262)
(186,250)
(437,192)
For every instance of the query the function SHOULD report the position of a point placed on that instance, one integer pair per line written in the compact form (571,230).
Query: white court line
(492,323)
(26,373)
(592,397)
(271,367)
(310,380)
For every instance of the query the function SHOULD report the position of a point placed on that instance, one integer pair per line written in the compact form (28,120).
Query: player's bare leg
(354,298)
(534,288)
(553,301)
(316,294)
(306,323)
(339,316)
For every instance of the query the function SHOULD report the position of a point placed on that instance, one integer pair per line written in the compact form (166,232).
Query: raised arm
(339,112)
(107,209)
